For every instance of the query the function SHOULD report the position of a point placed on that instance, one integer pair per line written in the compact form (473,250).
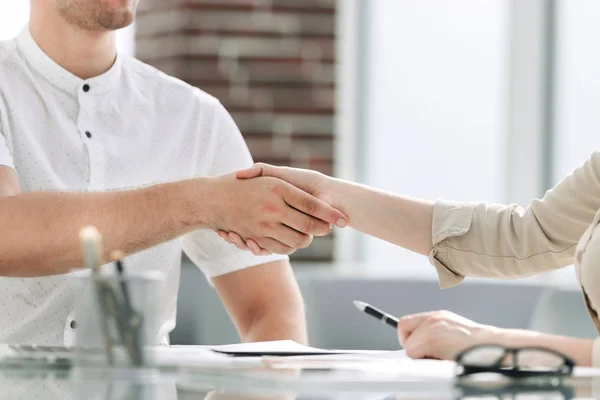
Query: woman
(474,239)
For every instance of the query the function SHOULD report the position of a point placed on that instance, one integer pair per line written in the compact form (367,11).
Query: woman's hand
(277,215)
(442,335)
(312,182)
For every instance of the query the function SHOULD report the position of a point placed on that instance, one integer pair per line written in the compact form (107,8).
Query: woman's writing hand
(442,335)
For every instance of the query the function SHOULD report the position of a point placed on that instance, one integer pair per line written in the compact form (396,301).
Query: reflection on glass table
(265,384)
(551,389)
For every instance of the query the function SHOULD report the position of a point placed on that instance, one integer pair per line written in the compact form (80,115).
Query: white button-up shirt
(129,127)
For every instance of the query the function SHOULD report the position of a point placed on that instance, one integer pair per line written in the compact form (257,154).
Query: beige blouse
(500,241)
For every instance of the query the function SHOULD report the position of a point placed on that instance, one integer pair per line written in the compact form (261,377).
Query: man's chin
(118,21)
(121,14)
(125,22)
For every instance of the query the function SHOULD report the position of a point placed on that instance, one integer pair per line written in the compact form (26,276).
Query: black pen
(117,256)
(377,313)
(129,320)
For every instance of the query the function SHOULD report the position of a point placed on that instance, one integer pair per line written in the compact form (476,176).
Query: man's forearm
(401,220)
(40,230)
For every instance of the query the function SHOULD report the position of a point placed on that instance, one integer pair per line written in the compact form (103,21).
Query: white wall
(577,106)
(436,106)
(577,95)
(13,16)
(126,40)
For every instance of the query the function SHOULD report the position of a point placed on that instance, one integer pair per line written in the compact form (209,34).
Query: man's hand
(312,182)
(442,335)
(278,216)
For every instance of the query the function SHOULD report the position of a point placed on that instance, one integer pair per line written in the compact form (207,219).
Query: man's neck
(84,53)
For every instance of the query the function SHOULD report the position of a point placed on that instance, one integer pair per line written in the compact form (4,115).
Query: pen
(377,313)
(129,321)
(117,256)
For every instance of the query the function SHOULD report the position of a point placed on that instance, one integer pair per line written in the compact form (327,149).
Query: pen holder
(116,317)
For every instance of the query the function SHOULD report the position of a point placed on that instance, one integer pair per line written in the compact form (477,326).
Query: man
(80,129)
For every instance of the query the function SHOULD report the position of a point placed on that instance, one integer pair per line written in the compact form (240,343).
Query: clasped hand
(298,208)
(274,215)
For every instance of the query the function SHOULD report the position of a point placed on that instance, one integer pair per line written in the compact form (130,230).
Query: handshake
(268,209)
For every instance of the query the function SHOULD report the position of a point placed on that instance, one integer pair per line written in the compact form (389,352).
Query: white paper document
(278,354)
(281,348)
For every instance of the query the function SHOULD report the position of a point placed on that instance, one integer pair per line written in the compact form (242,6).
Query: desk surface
(259,383)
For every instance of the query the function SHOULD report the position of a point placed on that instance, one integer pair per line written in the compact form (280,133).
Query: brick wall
(270,62)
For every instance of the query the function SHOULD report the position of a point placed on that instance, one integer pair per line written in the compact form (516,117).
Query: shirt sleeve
(500,241)
(227,152)
(5,155)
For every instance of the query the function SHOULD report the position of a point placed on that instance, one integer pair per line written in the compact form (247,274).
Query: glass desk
(264,383)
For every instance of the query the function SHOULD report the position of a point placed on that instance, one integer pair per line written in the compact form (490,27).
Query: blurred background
(464,100)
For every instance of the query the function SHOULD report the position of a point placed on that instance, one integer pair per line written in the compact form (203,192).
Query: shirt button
(86,88)
(73,324)
(88,134)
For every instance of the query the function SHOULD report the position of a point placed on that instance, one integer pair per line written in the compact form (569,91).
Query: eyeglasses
(514,363)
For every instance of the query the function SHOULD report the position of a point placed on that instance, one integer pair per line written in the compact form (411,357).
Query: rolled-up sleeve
(449,220)
(509,241)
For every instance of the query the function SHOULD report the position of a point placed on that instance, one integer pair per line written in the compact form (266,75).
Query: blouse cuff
(450,219)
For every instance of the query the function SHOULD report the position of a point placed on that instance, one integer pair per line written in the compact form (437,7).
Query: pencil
(91,244)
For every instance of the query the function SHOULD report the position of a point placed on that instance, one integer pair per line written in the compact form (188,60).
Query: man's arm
(40,230)
(264,302)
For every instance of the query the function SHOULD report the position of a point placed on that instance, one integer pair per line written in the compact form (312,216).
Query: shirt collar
(60,77)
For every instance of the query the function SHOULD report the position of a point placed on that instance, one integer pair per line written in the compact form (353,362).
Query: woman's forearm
(400,220)
(579,350)
(473,239)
